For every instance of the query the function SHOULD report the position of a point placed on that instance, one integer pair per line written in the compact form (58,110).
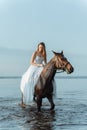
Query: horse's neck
(49,71)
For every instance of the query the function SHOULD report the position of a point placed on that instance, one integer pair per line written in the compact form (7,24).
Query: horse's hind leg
(50,98)
(34,97)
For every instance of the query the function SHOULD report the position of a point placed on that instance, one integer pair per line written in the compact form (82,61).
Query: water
(70,107)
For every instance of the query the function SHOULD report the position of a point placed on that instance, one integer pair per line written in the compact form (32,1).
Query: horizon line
(60,77)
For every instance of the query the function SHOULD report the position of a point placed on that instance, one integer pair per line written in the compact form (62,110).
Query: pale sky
(61,24)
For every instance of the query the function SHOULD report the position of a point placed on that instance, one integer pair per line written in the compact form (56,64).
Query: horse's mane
(49,70)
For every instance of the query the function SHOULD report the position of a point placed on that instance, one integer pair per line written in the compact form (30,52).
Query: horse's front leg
(50,98)
(39,103)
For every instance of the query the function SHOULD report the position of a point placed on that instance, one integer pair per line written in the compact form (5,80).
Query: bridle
(62,67)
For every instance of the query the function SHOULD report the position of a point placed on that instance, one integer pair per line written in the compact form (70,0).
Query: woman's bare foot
(22,105)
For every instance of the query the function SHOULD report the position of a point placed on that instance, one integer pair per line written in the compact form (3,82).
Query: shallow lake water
(70,107)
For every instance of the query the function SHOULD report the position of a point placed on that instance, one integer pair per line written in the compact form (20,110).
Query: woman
(31,76)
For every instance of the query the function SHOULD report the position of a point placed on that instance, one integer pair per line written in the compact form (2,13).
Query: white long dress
(29,80)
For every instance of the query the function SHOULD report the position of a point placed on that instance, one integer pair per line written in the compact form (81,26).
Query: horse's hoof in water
(38,110)
(52,108)
(52,111)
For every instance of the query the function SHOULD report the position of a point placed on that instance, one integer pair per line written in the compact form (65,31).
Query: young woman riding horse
(44,86)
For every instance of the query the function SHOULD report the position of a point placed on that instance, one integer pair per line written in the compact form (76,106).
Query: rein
(60,71)
(57,71)
(63,70)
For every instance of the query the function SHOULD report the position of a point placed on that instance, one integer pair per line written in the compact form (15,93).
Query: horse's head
(62,63)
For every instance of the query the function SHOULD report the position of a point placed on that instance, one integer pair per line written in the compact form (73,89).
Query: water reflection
(70,108)
(39,121)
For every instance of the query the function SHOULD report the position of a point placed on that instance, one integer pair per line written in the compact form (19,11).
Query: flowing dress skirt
(28,81)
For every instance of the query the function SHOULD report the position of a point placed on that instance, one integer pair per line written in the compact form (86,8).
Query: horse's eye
(62,58)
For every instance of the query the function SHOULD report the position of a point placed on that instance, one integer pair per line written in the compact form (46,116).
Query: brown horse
(44,86)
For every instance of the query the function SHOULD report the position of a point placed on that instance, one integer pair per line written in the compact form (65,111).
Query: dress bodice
(39,60)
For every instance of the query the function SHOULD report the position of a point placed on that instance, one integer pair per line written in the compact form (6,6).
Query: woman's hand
(41,65)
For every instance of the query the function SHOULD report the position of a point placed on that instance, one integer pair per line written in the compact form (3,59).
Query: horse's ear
(54,52)
(62,52)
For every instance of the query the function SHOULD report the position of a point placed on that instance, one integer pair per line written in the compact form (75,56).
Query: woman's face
(40,48)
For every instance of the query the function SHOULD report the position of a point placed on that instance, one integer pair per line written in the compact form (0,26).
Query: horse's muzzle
(71,69)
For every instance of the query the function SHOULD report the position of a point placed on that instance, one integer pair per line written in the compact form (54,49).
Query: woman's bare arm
(33,60)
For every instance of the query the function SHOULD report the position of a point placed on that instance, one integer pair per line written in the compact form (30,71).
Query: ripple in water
(68,115)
